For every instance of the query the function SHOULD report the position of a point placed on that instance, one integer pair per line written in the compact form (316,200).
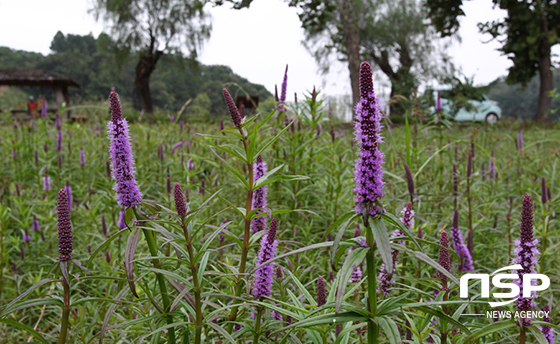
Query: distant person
(43,105)
(32,107)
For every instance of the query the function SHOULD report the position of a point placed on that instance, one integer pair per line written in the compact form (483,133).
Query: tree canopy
(96,71)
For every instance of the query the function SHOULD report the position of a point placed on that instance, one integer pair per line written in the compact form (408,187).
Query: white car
(483,109)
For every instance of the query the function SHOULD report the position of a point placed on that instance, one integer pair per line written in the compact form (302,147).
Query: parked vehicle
(481,109)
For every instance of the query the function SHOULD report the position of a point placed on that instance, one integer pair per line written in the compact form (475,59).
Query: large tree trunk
(144,68)
(545,72)
(547,85)
(351,36)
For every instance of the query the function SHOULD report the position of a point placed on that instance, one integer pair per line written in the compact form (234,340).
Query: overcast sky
(269,30)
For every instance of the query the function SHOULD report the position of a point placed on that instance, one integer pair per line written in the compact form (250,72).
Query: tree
(530,30)
(399,41)
(151,28)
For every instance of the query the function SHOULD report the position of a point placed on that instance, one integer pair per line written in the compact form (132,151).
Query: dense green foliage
(307,211)
(92,63)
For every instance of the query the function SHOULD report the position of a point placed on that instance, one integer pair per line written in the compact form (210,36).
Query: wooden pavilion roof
(33,77)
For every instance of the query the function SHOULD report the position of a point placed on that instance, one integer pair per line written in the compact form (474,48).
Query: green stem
(522,335)
(196,283)
(245,248)
(65,313)
(257,325)
(161,282)
(373,329)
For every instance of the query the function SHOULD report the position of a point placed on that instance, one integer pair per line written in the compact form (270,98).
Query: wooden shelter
(36,77)
(249,102)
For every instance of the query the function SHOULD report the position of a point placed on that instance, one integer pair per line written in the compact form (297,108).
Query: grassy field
(313,201)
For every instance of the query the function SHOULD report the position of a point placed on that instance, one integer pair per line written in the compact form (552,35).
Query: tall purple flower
(26,236)
(321,292)
(368,172)
(44,108)
(69,193)
(233,111)
(547,331)
(120,151)
(190,164)
(459,245)
(103,225)
(527,252)
(259,196)
(409,181)
(439,108)
(82,157)
(444,258)
(59,140)
(179,200)
(121,224)
(283,92)
(520,139)
(35,224)
(263,275)
(64,227)
(46,181)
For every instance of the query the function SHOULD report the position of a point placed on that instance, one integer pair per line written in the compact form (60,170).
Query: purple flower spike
(321,292)
(176,146)
(407,219)
(35,225)
(26,236)
(59,140)
(283,92)
(179,200)
(491,167)
(459,245)
(547,331)
(263,275)
(527,252)
(69,193)
(82,157)
(409,181)
(64,227)
(259,196)
(121,223)
(368,171)
(444,257)
(120,151)
(46,181)
(103,225)
(190,164)
(235,116)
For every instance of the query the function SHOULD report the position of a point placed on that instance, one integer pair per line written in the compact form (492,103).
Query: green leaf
(343,224)
(6,309)
(302,288)
(491,328)
(392,219)
(274,139)
(131,243)
(354,258)
(424,257)
(26,328)
(104,245)
(389,328)
(381,238)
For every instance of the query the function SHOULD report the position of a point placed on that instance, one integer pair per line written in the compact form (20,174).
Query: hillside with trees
(96,65)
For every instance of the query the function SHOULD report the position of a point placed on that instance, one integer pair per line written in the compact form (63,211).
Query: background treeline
(96,65)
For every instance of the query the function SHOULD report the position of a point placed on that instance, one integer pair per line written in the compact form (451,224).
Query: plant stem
(196,283)
(65,312)
(257,325)
(161,282)
(522,335)
(246,236)
(373,329)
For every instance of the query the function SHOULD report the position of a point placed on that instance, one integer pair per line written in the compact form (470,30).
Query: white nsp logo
(528,288)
